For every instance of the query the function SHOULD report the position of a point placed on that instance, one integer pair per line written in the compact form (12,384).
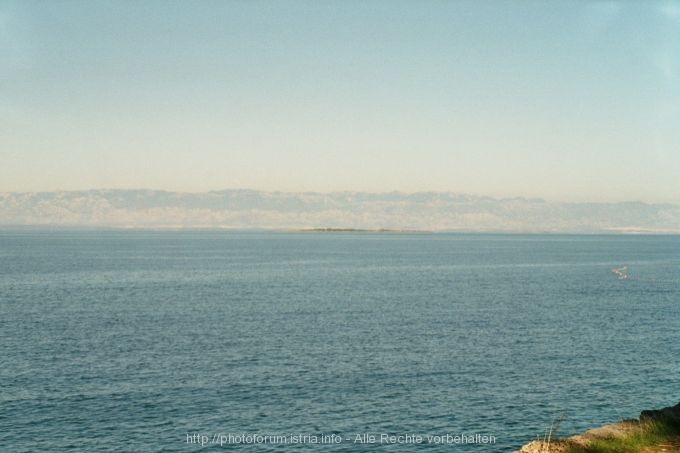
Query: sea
(130,340)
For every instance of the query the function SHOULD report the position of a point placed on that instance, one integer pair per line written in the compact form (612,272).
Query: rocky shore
(615,433)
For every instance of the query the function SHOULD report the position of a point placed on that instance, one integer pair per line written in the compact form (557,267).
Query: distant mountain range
(250,209)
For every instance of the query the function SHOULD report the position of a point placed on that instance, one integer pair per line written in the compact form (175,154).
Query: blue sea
(169,340)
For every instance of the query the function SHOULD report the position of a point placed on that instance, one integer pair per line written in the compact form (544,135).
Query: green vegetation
(643,438)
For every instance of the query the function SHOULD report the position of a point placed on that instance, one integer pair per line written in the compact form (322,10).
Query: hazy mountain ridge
(436,211)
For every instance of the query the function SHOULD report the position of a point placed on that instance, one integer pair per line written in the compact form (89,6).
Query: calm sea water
(131,341)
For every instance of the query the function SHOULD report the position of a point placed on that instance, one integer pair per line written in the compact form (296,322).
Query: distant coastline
(384,212)
(359,230)
(376,231)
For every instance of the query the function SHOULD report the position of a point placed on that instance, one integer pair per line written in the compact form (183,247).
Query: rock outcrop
(671,413)
(620,429)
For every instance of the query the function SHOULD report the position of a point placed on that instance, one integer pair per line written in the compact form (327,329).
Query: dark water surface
(130,341)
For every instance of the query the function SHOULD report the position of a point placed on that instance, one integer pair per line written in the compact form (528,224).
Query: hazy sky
(565,101)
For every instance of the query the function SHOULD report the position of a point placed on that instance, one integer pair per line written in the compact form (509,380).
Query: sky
(566,101)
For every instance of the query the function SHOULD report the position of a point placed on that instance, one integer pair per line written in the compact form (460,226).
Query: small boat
(621,272)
